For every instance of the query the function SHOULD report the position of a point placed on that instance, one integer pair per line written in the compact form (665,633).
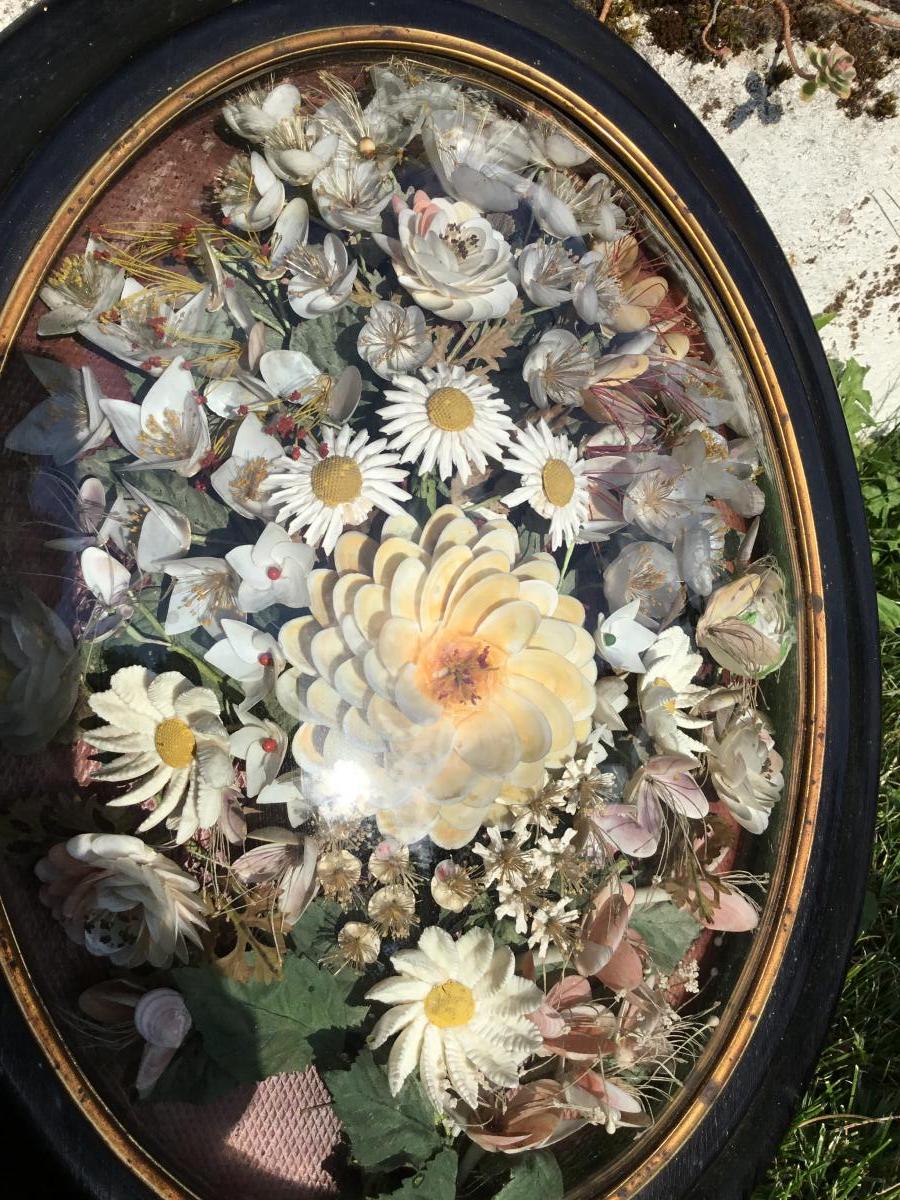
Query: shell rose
(442,667)
(451,260)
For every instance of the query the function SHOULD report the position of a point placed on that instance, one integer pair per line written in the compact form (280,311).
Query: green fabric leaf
(383,1130)
(668,932)
(534,1176)
(330,340)
(436,1181)
(823,319)
(192,1077)
(202,509)
(254,1029)
(315,932)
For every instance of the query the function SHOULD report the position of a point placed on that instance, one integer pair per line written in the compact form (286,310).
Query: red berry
(269,745)
(323,449)
(273,572)
(295,452)
(265,659)
(242,410)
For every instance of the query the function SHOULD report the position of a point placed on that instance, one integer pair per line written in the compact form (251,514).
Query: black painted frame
(75,74)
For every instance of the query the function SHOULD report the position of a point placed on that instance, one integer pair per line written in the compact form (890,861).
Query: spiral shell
(162,1018)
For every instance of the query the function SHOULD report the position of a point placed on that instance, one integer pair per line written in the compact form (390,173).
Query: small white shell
(162,1018)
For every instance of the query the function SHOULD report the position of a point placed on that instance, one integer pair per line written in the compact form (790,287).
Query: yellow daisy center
(366,147)
(449,1005)
(450,409)
(558,482)
(174,741)
(336,480)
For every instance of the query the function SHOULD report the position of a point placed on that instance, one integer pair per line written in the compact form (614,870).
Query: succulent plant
(834,70)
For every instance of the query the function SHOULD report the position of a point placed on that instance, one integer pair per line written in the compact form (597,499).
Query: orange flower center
(459,671)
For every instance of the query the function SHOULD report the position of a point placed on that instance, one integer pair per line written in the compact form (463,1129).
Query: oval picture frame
(73,141)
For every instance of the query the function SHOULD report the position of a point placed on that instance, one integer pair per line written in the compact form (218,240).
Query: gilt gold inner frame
(625,1177)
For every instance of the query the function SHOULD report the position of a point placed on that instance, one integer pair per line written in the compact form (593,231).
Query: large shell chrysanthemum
(442,667)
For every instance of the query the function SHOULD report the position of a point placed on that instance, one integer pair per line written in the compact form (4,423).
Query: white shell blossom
(567,206)
(746,769)
(663,498)
(40,662)
(168,429)
(611,695)
(151,328)
(70,422)
(477,155)
(547,273)
(81,288)
(205,591)
(460,1013)
(321,277)
(548,146)
(646,571)
(297,149)
(452,886)
(394,340)
(109,582)
(152,532)
(121,899)
(449,420)
(621,639)
(451,260)
(375,132)
(554,480)
(262,745)
(254,113)
(334,484)
(89,523)
(289,235)
(251,196)
(274,571)
(241,481)
(721,469)
(290,375)
(558,369)
(168,737)
(353,196)
(665,691)
(250,657)
(287,861)
(745,624)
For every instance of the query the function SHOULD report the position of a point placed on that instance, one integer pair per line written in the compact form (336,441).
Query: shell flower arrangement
(411,663)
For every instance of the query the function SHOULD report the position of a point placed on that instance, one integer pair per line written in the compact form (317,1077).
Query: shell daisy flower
(168,737)
(336,483)
(554,481)
(460,1013)
(449,418)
